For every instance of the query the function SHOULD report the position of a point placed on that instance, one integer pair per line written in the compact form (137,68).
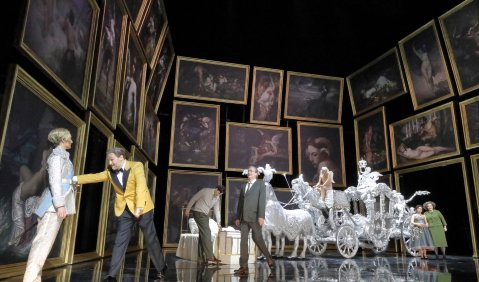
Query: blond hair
(57,135)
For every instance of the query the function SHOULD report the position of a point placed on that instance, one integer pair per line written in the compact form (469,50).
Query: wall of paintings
(99,69)
(416,118)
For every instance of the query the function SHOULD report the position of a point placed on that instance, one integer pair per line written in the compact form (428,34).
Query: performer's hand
(237,222)
(61,212)
(445,228)
(260,221)
(137,213)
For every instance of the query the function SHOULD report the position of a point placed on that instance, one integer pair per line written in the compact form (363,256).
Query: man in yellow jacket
(132,204)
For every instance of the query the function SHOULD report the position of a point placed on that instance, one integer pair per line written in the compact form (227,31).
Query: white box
(228,247)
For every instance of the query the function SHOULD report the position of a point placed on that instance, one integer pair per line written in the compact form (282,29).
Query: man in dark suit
(250,216)
(132,204)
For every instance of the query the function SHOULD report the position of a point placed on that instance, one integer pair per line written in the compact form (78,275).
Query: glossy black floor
(330,267)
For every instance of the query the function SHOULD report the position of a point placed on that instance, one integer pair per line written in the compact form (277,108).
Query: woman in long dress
(437,227)
(421,239)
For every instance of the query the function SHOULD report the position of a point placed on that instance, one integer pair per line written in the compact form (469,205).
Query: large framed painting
(430,135)
(194,135)
(59,37)
(106,82)
(449,188)
(211,80)
(470,121)
(321,145)
(90,233)
(461,34)
(136,9)
(313,97)
(132,93)
(29,112)
(161,70)
(376,83)
(475,173)
(425,67)
(181,187)
(371,139)
(233,189)
(153,29)
(258,145)
(267,96)
(151,133)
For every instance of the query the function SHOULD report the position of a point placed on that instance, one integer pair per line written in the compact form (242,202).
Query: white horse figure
(294,224)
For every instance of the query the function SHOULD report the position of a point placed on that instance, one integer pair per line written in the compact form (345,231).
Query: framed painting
(151,181)
(106,83)
(258,145)
(461,34)
(371,135)
(233,189)
(211,80)
(90,233)
(267,96)
(59,37)
(475,174)
(160,72)
(430,135)
(194,135)
(425,67)
(153,29)
(138,156)
(321,145)
(132,93)
(470,121)
(29,112)
(181,187)
(313,97)
(151,133)
(136,8)
(448,184)
(376,83)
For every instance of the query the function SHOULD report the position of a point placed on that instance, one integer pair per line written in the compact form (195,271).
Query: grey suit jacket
(251,205)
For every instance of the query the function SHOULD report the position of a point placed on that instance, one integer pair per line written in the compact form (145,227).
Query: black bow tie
(119,170)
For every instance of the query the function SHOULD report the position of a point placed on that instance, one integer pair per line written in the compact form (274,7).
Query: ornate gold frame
(279,98)
(465,124)
(227,194)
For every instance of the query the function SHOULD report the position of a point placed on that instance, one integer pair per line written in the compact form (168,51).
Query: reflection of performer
(266,98)
(437,226)
(55,204)
(132,204)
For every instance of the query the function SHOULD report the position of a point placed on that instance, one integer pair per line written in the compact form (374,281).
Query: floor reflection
(327,268)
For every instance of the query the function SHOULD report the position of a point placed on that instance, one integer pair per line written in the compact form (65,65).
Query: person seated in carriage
(325,186)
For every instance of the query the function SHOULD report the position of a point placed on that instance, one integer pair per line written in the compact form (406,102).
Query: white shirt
(249,185)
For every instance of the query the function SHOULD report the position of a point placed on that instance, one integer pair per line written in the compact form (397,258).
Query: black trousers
(123,235)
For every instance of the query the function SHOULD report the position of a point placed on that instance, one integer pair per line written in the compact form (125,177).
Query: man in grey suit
(250,216)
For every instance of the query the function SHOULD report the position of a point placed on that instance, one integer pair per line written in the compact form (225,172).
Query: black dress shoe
(160,277)
(109,279)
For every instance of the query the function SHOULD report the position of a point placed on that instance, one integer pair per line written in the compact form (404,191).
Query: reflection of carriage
(366,216)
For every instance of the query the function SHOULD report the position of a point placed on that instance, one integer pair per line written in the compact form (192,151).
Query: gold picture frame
(194,140)
(411,137)
(155,17)
(370,132)
(313,97)
(181,186)
(475,175)
(211,80)
(258,145)
(399,176)
(29,111)
(233,189)
(470,121)
(319,142)
(151,133)
(266,97)
(425,66)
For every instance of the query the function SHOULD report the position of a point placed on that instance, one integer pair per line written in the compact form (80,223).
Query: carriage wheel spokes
(347,241)
(316,247)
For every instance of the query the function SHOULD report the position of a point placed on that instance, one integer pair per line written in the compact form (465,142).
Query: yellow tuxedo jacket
(135,195)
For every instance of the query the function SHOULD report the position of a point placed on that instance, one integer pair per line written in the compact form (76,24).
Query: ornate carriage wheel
(349,271)
(406,237)
(347,241)
(316,247)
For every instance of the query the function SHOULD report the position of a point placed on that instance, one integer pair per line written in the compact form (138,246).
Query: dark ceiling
(327,37)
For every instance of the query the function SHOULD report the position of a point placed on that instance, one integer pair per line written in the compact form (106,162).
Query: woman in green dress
(437,227)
